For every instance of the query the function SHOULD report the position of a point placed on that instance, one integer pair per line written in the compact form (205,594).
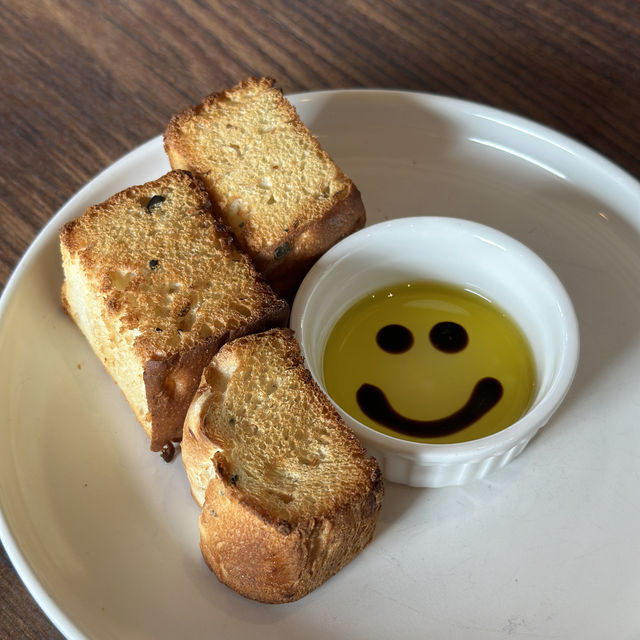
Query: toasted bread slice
(288,495)
(268,177)
(156,285)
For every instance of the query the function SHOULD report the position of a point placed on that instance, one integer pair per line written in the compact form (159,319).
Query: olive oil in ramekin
(429,362)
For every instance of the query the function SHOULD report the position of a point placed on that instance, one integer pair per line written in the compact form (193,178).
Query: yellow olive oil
(429,362)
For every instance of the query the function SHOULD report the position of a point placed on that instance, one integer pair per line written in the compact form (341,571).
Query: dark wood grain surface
(84,81)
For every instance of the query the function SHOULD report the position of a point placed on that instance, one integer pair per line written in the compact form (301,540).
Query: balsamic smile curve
(374,404)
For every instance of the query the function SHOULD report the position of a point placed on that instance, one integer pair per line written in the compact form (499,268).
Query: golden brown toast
(288,495)
(269,179)
(157,285)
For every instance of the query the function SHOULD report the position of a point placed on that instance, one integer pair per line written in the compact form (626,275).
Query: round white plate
(104,533)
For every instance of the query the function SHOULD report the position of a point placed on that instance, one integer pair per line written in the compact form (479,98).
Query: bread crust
(267,553)
(275,561)
(310,241)
(287,253)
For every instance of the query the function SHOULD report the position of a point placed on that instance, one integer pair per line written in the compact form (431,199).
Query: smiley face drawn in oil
(429,362)
(448,337)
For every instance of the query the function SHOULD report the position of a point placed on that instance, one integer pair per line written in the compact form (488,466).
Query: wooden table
(85,81)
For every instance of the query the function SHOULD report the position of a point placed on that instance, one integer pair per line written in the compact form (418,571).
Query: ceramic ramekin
(462,253)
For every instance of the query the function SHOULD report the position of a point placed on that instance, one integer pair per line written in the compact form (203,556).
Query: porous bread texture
(156,285)
(269,179)
(288,495)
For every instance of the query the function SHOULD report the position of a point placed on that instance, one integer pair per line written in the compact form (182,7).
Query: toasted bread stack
(167,282)
(288,495)
(269,179)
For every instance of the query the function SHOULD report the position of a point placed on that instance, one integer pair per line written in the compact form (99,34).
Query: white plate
(104,533)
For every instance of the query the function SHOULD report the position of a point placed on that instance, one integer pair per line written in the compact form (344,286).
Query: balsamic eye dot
(394,338)
(449,337)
